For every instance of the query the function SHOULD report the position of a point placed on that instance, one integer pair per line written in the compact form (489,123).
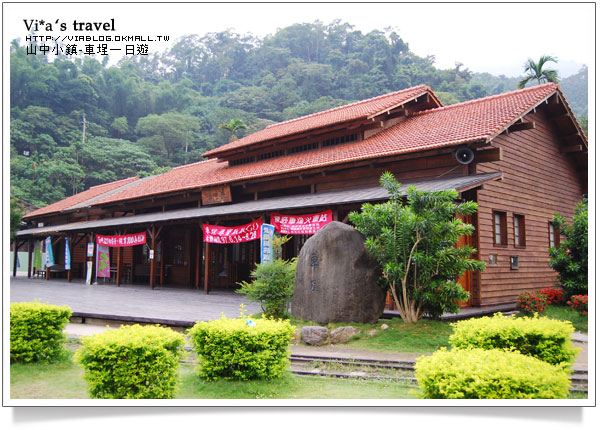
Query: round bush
(488,374)
(36,331)
(133,362)
(543,338)
(233,349)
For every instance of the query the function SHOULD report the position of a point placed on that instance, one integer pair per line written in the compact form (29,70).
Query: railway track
(335,367)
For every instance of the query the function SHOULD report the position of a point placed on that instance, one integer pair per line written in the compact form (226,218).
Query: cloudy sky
(494,38)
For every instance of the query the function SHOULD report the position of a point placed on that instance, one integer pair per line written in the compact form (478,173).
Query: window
(499,228)
(553,235)
(519,221)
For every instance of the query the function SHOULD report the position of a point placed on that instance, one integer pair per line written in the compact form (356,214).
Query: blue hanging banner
(49,254)
(267,232)
(67,255)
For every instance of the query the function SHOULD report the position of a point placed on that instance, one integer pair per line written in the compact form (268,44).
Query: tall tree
(536,71)
(233,127)
(415,246)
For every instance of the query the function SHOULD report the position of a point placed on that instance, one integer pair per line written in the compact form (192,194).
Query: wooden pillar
(206,266)
(93,257)
(153,260)
(29,257)
(69,272)
(15,256)
(162,262)
(154,233)
(119,265)
(199,237)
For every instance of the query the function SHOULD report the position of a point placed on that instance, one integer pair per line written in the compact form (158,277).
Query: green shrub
(133,362)
(543,338)
(235,349)
(570,257)
(273,287)
(36,331)
(488,374)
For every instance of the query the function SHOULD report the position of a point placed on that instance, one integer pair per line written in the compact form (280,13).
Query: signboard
(67,255)
(122,240)
(242,233)
(266,243)
(49,254)
(214,195)
(102,262)
(88,275)
(301,224)
(90,250)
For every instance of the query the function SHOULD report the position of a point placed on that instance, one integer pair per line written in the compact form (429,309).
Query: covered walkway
(132,302)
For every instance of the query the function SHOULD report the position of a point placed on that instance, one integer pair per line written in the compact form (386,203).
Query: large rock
(342,334)
(336,279)
(314,334)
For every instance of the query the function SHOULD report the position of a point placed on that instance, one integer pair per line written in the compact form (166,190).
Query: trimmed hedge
(133,362)
(488,374)
(36,331)
(543,338)
(234,349)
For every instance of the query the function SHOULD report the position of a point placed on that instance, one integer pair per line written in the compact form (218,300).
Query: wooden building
(521,156)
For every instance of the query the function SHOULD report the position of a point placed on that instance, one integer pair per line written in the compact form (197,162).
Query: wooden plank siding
(539,181)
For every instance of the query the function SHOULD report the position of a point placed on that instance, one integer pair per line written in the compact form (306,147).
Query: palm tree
(534,71)
(232,127)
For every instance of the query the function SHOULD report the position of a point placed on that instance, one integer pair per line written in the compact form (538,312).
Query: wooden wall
(538,182)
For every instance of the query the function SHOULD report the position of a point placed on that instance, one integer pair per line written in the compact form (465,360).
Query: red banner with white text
(122,240)
(238,234)
(301,224)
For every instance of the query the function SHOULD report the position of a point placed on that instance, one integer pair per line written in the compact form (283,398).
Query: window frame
(519,224)
(553,235)
(503,229)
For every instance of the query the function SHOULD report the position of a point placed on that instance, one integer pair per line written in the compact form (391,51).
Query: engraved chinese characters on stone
(313,286)
(314,260)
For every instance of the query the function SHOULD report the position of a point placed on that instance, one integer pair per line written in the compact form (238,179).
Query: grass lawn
(64,380)
(565,313)
(420,337)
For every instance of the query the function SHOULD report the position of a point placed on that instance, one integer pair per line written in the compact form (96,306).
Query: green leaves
(133,362)
(570,257)
(488,374)
(415,245)
(232,349)
(542,338)
(273,287)
(36,331)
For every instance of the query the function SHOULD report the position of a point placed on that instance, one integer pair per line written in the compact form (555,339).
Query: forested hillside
(150,113)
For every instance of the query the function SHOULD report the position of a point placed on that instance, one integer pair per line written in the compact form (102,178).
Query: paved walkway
(162,303)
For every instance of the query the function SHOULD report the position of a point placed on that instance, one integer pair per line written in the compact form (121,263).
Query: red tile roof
(358,110)
(80,197)
(471,121)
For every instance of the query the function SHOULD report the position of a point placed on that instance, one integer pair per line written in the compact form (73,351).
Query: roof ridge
(188,165)
(111,183)
(345,106)
(483,99)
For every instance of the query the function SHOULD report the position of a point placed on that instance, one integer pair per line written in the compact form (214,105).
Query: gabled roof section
(360,195)
(78,199)
(473,121)
(364,109)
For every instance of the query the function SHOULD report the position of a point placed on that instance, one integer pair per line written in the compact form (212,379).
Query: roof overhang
(361,195)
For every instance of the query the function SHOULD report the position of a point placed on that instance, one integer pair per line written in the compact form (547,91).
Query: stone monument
(336,278)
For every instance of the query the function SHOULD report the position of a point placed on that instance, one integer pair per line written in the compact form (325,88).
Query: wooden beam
(572,148)
(488,155)
(119,265)
(527,125)
(162,262)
